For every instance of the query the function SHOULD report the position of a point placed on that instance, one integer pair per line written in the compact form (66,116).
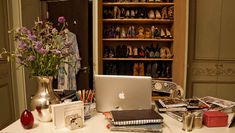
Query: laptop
(115,92)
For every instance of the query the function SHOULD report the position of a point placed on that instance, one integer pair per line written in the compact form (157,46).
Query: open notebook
(122,92)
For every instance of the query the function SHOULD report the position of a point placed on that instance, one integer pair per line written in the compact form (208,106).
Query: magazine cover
(172,102)
(217,101)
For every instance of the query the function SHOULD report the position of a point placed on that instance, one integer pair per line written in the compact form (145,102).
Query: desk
(97,124)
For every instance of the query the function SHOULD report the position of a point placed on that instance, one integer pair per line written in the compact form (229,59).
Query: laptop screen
(122,92)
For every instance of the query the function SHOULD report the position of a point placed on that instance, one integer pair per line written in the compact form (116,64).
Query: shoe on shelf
(163,70)
(164,13)
(168,53)
(116,12)
(123,32)
(135,69)
(141,69)
(128,14)
(163,34)
(132,15)
(135,52)
(168,33)
(117,32)
(122,13)
(168,70)
(129,32)
(129,51)
(147,33)
(158,14)
(149,70)
(133,31)
(151,14)
(171,12)
(154,70)
(157,32)
(163,52)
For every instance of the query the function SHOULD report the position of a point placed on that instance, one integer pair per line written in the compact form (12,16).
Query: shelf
(138,20)
(137,39)
(136,59)
(137,4)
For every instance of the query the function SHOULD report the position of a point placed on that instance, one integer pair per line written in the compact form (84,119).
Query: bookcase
(142,37)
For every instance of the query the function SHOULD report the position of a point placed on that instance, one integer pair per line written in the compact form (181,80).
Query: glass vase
(44,97)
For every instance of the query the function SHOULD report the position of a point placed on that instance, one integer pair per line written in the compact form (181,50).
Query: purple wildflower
(42,51)
(24,30)
(61,19)
(38,45)
(31,58)
(23,46)
(56,51)
(31,37)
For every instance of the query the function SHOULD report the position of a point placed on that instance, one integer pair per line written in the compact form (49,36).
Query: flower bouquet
(43,48)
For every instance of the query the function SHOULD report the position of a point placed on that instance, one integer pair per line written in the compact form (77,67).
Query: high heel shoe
(151,14)
(158,15)
(168,33)
(163,34)
(123,33)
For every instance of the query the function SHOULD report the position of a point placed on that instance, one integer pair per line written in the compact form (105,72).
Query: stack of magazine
(175,108)
(146,120)
(171,104)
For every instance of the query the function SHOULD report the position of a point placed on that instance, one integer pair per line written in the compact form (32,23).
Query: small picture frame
(70,115)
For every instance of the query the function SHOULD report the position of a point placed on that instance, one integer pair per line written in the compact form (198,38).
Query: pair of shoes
(138,69)
(131,32)
(165,52)
(166,33)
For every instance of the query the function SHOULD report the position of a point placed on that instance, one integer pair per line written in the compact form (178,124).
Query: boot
(141,69)
(164,13)
(149,70)
(135,69)
(154,72)
(168,70)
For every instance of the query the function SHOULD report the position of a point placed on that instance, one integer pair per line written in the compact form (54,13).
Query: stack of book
(146,120)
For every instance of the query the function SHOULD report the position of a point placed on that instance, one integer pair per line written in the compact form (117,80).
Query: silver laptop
(122,92)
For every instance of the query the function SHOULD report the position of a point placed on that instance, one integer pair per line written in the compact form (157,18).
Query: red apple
(27,119)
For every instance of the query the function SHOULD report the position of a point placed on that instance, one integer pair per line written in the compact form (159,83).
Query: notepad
(135,117)
(138,128)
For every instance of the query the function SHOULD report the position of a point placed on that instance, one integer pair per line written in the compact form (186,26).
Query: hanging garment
(67,78)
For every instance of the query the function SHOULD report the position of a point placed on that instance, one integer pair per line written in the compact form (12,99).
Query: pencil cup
(188,119)
(87,111)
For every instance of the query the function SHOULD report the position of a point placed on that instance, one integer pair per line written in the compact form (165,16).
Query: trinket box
(215,119)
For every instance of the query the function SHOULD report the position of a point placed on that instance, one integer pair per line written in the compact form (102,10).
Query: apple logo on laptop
(121,95)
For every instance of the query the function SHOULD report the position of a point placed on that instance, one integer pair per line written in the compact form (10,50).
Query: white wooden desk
(97,124)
